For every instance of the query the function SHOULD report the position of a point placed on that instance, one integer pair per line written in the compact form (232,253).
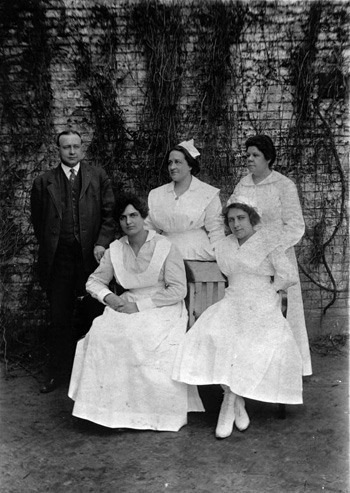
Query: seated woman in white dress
(121,375)
(243,342)
(187,210)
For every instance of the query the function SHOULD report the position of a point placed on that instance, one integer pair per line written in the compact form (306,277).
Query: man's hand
(98,253)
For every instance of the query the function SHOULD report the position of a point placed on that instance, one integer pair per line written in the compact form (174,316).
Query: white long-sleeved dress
(277,198)
(121,375)
(243,341)
(192,221)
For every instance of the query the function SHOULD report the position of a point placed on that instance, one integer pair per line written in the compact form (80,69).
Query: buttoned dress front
(191,221)
(122,369)
(277,198)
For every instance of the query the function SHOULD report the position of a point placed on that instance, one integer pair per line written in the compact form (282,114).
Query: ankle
(227,415)
(242,420)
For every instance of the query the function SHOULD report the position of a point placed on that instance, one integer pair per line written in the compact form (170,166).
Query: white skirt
(245,343)
(122,371)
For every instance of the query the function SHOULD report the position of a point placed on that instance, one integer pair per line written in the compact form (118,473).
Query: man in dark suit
(72,214)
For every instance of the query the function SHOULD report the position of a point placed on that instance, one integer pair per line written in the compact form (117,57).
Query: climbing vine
(314,104)
(159,31)
(26,114)
(95,67)
(218,27)
(209,70)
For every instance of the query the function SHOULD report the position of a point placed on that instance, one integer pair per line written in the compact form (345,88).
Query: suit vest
(70,208)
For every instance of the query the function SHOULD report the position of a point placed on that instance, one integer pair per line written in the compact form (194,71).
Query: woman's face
(239,224)
(178,167)
(257,164)
(131,221)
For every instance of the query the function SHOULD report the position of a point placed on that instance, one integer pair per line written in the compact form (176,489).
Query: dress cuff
(102,294)
(145,304)
(282,284)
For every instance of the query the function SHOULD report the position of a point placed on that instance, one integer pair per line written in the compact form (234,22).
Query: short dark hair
(254,217)
(265,145)
(191,161)
(67,132)
(122,202)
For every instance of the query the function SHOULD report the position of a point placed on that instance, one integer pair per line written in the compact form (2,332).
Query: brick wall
(137,77)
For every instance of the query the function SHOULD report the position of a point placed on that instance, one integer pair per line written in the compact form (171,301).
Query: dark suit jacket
(96,203)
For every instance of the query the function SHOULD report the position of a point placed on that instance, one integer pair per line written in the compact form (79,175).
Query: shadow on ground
(44,449)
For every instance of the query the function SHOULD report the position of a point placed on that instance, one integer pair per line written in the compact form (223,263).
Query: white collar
(67,169)
(273,177)
(195,183)
(151,234)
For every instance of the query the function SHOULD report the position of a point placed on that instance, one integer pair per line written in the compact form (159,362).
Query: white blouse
(193,220)
(170,288)
(277,198)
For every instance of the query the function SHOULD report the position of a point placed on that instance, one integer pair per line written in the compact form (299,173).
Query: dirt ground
(44,449)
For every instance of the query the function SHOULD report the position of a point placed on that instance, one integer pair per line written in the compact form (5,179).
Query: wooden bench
(206,286)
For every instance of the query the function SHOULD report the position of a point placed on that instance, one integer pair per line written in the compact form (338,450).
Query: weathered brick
(257,97)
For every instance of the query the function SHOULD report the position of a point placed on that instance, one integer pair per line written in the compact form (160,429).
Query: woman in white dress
(122,368)
(243,342)
(187,210)
(277,198)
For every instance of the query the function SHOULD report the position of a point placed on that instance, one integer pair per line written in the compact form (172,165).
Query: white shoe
(227,415)
(241,417)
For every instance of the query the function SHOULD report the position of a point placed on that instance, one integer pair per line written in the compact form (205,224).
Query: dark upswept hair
(191,161)
(254,217)
(122,202)
(265,145)
(67,132)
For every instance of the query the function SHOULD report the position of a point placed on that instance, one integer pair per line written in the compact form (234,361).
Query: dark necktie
(72,176)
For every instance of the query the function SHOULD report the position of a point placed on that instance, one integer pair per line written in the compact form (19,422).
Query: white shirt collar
(193,185)
(274,176)
(151,234)
(67,169)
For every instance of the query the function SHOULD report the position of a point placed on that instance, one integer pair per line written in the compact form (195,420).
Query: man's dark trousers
(66,285)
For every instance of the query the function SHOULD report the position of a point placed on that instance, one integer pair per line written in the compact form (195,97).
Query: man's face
(70,150)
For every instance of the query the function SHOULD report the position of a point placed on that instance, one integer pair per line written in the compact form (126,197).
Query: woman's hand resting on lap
(118,305)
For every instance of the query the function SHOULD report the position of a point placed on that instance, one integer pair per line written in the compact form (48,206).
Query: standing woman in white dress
(277,198)
(122,368)
(187,210)
(243,342)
